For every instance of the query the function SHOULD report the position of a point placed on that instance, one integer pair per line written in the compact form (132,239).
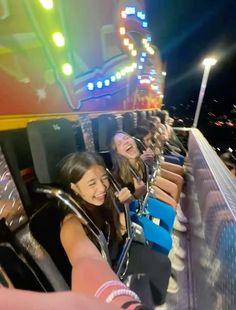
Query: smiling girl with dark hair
(85,177)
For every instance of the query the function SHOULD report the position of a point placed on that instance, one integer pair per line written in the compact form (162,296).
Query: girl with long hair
(84,175)
(125,155)
(145,136)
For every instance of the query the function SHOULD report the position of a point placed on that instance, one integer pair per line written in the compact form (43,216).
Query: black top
(106,220)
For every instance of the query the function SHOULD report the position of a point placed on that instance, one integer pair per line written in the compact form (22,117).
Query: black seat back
(141,116)
(50,141)
(17,265)
(45,227)
(17,270)
(107,126)
(129,122)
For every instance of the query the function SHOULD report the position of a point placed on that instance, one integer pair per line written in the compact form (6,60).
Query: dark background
(187,31)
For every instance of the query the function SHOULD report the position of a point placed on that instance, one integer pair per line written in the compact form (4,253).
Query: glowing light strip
(153,79)
(91,86)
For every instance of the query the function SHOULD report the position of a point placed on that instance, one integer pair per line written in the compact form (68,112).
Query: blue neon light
(113,78)
(130,10)
(99,84)
(107,82)
(118,75)
(90,86)
(141,15)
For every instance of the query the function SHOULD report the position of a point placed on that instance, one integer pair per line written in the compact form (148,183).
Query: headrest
(129,122)
(50,141)
(107,126)
(142,115)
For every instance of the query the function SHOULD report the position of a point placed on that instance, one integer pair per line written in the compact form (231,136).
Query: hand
(140,188)
(124,195)
(148,157)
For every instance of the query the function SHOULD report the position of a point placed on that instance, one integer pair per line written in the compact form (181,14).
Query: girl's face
(92,187)
(126,146)
(147,140)
(161,134)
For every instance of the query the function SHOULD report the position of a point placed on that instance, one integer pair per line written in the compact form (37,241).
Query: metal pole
(201,94)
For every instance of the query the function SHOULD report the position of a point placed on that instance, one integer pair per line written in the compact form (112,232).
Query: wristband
(108,284)
(122,292)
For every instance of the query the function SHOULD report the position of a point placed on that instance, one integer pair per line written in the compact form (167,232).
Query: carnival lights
(134,51)
(107,82)
(99,84)
(90,86)
(126,41)
(58,39)
(122,30)
(67,69)
(118,76)
(145,81)
(47,4)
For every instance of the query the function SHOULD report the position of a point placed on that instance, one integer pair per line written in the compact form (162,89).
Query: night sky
(186,31)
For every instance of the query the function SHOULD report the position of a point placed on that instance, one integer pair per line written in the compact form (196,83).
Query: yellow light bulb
(122,30)
(67,69)
(58,39)
(47,4)
(123,72)
(126,41)
(131,46)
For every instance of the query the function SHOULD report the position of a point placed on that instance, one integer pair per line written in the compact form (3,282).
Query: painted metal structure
(64,57)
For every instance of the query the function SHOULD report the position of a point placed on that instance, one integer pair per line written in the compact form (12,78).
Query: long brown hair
(72,169)
(121,164)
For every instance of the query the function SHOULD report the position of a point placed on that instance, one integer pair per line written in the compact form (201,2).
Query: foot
(177,249)
(172,286)
(176,263)
(161,307)
(181,217)
(178,226)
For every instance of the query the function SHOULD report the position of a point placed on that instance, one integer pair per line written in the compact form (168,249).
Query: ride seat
(45,227)
(17,270)
(129,122)
(16,265)
(47,153)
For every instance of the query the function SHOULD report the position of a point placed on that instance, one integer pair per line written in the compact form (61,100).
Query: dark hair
(72,169)
(154,119)
(141,133)
(73,166)
(148,124)
(161,115)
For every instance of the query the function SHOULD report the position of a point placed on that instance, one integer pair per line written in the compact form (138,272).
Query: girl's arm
(11,299)
(89,270)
